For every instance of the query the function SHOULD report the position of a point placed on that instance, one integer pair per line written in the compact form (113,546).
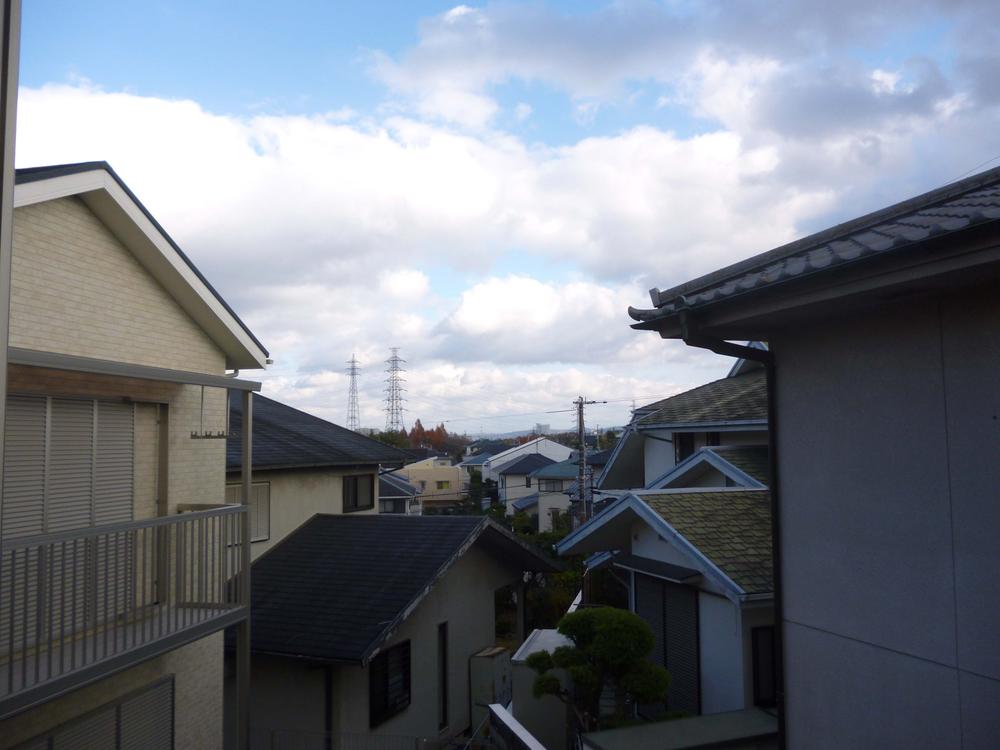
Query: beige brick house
(119,562)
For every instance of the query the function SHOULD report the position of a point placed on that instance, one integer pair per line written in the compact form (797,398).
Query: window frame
(380,678)
(756,633)
(253,485)
(350,496)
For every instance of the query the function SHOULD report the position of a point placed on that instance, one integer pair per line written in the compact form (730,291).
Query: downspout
(693,337)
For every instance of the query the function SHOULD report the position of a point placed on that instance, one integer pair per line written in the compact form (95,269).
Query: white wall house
(698,567)
(884,331)
(542,446)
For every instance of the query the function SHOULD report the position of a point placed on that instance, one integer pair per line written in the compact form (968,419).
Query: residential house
(884,348)
(697,565)
(368,627)
(557,486)
(485,446)
(396,495)
(515,477)
(442,484)
(302,465)
(730,411)
(113,598)
(543,446)
(473,463)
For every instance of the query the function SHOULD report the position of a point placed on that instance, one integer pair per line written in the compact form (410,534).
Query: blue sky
(489,186)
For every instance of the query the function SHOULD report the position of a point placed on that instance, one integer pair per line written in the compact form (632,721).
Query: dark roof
(523,503)
(338,586)
(750,459)
(391,485)
(488,446)
(731,528)
(945,211)
(422,454)
(527,464)
(477,460)
(657,568)
(598,458)
(284,437)
(736,399)
(35,174)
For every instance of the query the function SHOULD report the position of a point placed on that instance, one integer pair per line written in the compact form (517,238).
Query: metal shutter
(649,606)
(69,496)
(680,624)
(95,732)
(147,720)
(24,467)
(113,464)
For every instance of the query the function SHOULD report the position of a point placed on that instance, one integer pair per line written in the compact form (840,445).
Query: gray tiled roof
(333,589)
(731,528)
(964,204)
(284,437)
(527,464)
(750,459)
(740,398)
(392,485)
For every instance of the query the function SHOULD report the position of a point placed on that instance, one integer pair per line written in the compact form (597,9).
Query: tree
(393,438)
(609,650)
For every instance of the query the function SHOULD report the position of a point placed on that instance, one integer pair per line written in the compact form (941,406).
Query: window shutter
(71,463)
(24,467)
(681,638)
(147,720)
(113,481)
(95,732)
(260,512)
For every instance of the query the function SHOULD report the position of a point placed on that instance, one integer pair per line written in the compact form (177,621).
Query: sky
(489,186)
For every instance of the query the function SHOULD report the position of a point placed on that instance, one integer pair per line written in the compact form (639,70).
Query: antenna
(353,420)
(394,392)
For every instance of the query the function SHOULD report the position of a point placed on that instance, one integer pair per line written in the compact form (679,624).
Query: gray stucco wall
(890,526)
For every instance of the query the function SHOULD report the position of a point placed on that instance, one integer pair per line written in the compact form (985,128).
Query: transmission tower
(353,420)
(394,391)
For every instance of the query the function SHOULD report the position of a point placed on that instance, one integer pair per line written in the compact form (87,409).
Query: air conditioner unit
(489,682)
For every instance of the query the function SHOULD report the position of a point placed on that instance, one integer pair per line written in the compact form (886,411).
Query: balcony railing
(77,605)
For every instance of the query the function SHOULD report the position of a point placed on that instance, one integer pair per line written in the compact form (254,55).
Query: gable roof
(523,503)
(746,465)
(286,438)
(502,458)
(336,588)
(740,399)
(732,529)
(526,464)
(104,193)
(728,530)
(892,233)
(477,460)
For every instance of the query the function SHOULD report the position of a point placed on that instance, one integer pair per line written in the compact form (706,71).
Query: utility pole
(353,419)
(586,498)
(394,391)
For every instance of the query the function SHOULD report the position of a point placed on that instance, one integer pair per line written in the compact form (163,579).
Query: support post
(10,28)
(243,629)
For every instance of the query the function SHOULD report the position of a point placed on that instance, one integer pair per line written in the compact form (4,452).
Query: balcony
(79,605)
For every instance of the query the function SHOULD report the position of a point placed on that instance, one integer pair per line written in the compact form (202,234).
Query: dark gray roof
(654,567)
(477,460)
(284,437)
(338,586)
(390,485)
(750,459)
(527,464)
(736,399)
(953,208)
(35,174)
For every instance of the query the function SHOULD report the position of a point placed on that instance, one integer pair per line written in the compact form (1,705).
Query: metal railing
(75,604)
(279,739)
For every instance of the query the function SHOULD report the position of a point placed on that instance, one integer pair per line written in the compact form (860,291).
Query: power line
(353,418)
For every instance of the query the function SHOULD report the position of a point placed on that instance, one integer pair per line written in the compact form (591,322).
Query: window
(683,445)
(763,666)
(359,492)
(712,439)
(550,485)
(527,481)
(143,719)
(260,508)
(444,485)
(392,505)
(388,684)
(442,675)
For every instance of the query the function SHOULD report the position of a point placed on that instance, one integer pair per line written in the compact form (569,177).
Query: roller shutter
(140,721)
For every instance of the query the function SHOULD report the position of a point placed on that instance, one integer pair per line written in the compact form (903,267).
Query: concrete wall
(513,486)
(428,472)
(889,539)
(296,496)
(287,696)
(720,647)
(548,502)
(75,289)
(198,676)
(657,454)
(463,599)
